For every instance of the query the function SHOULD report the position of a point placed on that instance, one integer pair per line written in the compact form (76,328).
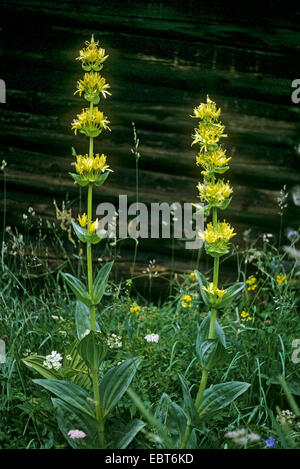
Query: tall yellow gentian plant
(216,195)
(83,401)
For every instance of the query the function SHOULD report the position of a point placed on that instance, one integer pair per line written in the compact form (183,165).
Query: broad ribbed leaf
(79,179)
(78,288)
(203,283)
(36,362)
(230,294)
(115,383)
(74,367)
(219,396)
(101,179)
(92,348)
(210,352)
(100,282)
(173,417)
(83,320)
(68,392)
(71,418)
(189,403)
(124,437)
(204,329)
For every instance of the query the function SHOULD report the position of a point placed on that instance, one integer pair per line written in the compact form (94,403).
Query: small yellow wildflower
(82,220)
(213,159)
(135,309)
(193,275)
(207,110)
(186,301)
(251,281)
(223,232)
(208,134)
(245,316)
(90,122)
(280,279)
(94,226)
(214,290)
(214,193)
(92,85)
(88,164)
(92,57)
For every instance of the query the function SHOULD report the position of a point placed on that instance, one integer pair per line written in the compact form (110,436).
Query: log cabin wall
(165,57)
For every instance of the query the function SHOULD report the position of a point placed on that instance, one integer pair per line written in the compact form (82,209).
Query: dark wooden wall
(165,57)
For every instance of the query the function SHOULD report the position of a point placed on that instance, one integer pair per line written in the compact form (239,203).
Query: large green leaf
(219,396)
(189,403)
(173,417)
(83,236)
(78,288)
(100,282)
(36,362)
(68,392)
(74,367)
(115,383)
(82,181)
(83,319)
(126,435)
(204,329)
(92,348)
(71,418)
(210,352)
(101,179)
(231,292)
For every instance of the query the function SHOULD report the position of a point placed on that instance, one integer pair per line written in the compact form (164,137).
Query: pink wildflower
(76,434)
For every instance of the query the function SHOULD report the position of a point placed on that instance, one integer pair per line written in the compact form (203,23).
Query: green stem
(94,372)
(211,335)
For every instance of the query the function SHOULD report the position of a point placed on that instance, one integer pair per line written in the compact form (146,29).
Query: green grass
(37,316)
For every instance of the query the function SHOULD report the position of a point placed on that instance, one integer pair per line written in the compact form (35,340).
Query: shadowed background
(164,58)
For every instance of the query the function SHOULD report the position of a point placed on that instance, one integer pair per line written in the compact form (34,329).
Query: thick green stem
(211,335)
(94,372)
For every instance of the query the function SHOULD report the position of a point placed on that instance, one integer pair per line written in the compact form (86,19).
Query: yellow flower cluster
(212,159)
(251,281)
(90,122)
(214,193)
(91,164)
(222,232)
(214,290)
(207,111)
(193,275)
(83,221)
(92,85)
(208,133)
(186,301)
(280,279)
(92,56)
(135,309)
(245,316)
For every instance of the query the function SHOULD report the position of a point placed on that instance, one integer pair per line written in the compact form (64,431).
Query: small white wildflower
(53,360)
(68,357)
(114,341)
(152,338)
